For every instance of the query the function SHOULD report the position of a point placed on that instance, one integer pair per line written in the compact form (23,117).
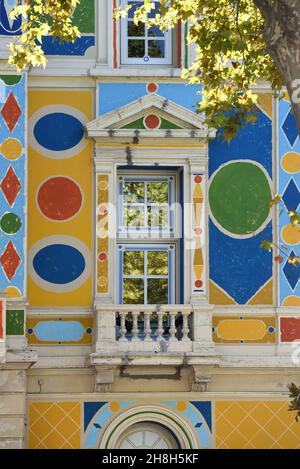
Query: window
(147,248)
(147,274)
(141,45)
(146,205)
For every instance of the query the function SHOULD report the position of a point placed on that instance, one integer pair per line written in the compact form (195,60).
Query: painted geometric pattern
(289,181)
(59,199)
(239,192)
(8,26)
(12,183)
(256,425)
(102,234)
(289,329)
(198,227)
(244,329)
(59,330)
(84,19)
(54,425)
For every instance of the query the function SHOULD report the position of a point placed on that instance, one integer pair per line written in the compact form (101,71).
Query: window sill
(136,71)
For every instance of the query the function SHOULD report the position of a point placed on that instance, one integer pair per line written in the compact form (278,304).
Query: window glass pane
(158,217)
(133,291)
(134,217)
(157,291)
(156,49)
(133,263)
(134,6)
(133,192)
(157,263)
(154,31)
(136,30)
(157,192)
(136,48)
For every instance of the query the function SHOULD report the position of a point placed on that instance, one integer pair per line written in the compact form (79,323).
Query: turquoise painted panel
(59,331)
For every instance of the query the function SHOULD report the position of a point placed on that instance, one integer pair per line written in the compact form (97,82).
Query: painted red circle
(198,283)
(59,198)
(102,256)
(152,121)
(152,87)
(198,230)
(198,179)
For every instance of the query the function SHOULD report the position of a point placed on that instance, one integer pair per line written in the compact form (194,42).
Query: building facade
(137,307)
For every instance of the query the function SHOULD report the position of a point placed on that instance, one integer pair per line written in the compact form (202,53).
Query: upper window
(141,45)
(146,205)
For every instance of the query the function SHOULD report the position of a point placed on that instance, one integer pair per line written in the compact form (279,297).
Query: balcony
(153,328)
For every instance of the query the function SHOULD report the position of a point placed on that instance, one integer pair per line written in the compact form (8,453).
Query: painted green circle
(239,196)
(10,223)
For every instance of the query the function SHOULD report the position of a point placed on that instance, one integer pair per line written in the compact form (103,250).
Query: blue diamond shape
(291,196)
(291,272)
(290,128)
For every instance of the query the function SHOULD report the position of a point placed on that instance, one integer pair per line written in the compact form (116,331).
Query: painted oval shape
(10,223)
(59,263)
(291,162)
(59,331)
(290,234)
(59,198)
(58,131)
(246,329)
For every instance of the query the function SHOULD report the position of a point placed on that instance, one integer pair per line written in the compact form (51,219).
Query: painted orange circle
(152,87)
(114,406)
(290,162)
(12,292)
(181,406)
(290,234)
(11,149)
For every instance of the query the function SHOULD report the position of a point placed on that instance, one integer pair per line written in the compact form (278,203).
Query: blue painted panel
(59,331)
(59,263)
(115,95)
(9,27)
(239,266)
(58,131)
(78,48)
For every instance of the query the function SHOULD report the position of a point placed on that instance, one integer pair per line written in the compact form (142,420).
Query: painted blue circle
(59,263)
(30,331)
(58,131)
(89,330)
(271,329)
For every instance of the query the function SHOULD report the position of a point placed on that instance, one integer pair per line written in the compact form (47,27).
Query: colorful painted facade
(136,305)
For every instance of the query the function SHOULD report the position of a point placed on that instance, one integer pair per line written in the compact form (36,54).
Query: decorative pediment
(150,116)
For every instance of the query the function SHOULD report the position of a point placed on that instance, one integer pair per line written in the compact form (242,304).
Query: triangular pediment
(149,113)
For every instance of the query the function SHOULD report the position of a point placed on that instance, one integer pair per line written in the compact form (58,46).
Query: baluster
(123,329)
(135,329)
(160,329)
(185,326)
(147,326)
(172,330)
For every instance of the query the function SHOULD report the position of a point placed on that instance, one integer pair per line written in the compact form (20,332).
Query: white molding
(131,110)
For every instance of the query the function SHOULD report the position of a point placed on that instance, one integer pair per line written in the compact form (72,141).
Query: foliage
(295,399)
(231,55)
(41,18)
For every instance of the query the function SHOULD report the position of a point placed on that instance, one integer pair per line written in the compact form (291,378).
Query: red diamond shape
(11,111)
(10,260)
(10,186)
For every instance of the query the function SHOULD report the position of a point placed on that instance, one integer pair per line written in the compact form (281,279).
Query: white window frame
(125,60)
(155,232)
(169,247)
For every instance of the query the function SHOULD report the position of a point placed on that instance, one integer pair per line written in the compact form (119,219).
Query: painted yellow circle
(291,234)
(291,300)
(114,406)
(181,406)
(102,281)
(103,185)
(11,149)
(291,162)
(13,292)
